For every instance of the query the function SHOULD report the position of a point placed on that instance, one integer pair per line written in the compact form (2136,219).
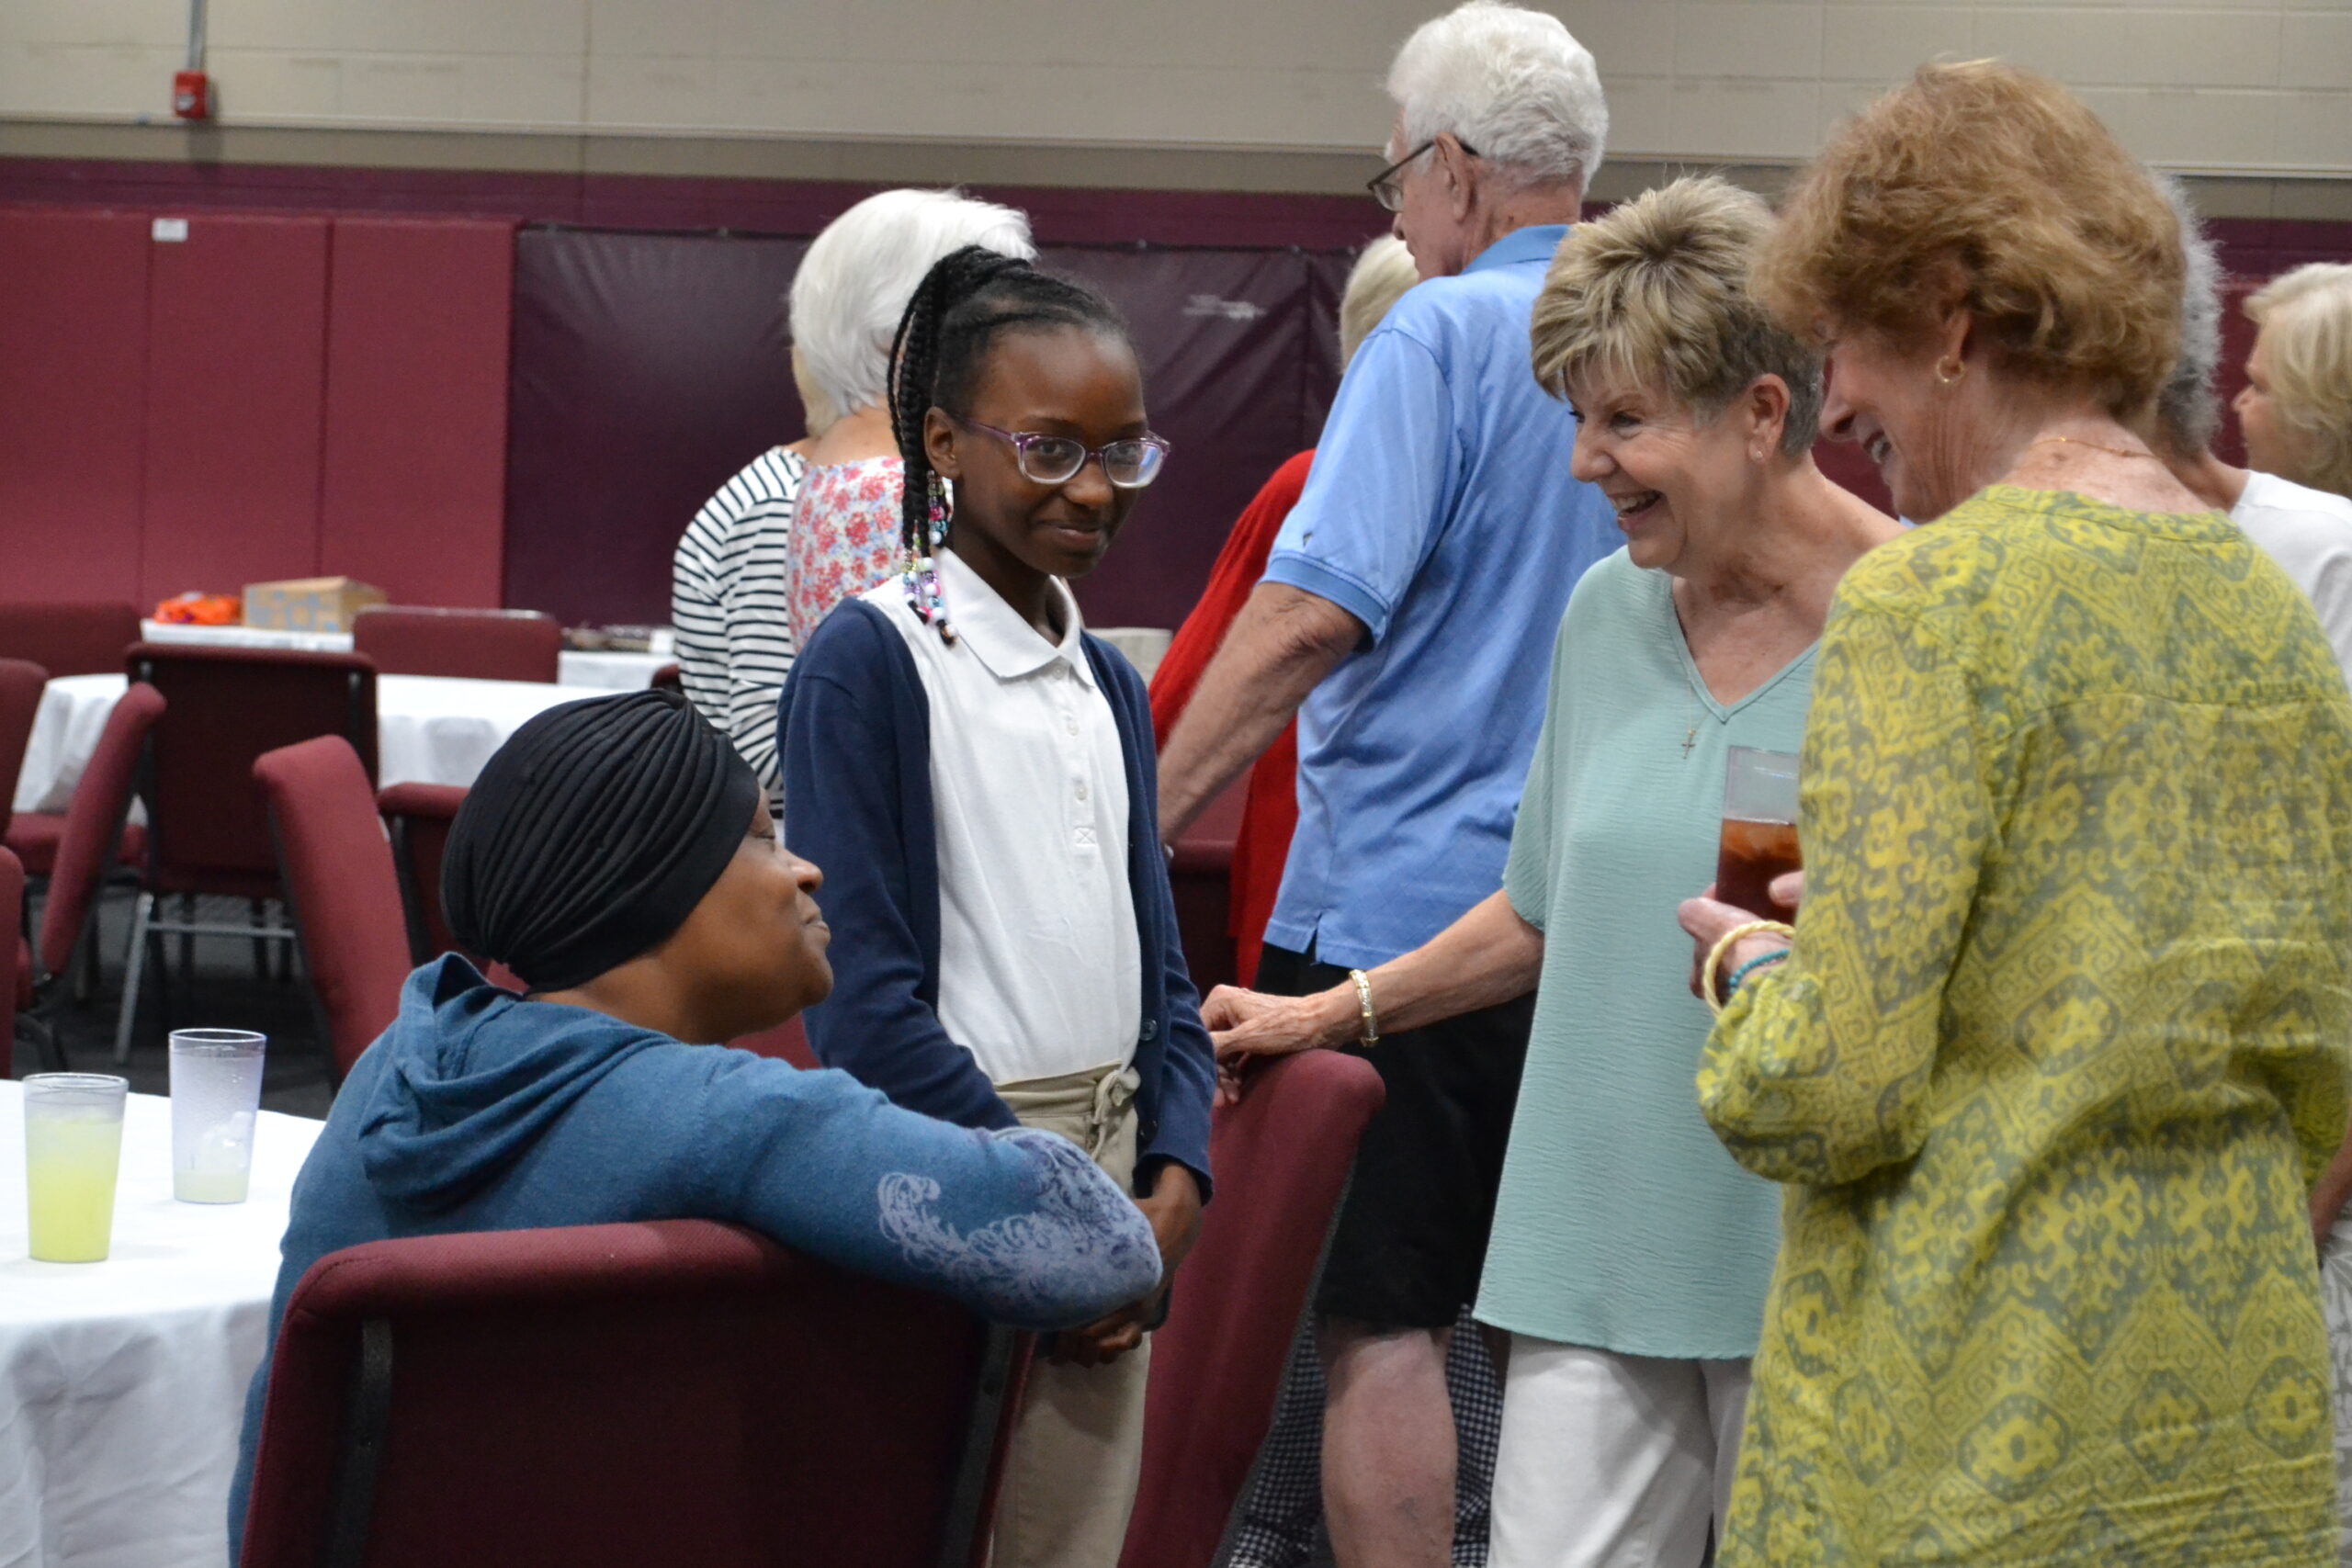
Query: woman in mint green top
(1630,1256)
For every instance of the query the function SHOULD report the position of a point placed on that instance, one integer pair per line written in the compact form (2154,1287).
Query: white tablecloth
(609,671)
(122,1384)
(429,729)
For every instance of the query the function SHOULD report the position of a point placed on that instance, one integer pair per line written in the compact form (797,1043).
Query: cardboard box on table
(309,604)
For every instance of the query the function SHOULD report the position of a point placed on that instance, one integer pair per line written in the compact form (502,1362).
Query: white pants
(1610,1460)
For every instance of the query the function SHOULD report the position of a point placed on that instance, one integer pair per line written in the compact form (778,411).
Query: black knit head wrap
(592,835)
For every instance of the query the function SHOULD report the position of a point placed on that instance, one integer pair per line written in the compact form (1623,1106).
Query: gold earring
(1959,369)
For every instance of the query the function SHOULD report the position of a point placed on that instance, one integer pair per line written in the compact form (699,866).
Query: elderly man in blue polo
(1406,617)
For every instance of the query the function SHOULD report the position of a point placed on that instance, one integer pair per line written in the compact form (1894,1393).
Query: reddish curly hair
(1988,187)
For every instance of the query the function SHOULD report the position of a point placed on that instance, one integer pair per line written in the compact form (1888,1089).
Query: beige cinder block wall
(1220,92)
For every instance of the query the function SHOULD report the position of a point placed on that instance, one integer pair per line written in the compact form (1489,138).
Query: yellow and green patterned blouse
(2059,1049)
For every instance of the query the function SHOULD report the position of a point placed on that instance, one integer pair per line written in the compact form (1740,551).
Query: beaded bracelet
(1731,986)
(1723,944)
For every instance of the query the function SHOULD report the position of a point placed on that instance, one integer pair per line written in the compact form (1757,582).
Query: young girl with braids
(980,774)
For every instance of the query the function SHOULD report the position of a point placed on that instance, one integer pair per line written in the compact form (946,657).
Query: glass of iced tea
(1759,836)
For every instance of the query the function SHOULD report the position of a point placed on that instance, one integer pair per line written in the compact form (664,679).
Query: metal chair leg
(257,916)
(134,969)
(187,942)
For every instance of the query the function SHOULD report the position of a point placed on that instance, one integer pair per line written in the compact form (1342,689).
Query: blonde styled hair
(1656,295)
(1988,189)
(2306,321)
(1378,280)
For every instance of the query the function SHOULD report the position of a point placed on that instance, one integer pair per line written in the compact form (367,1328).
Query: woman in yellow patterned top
(2059,1045)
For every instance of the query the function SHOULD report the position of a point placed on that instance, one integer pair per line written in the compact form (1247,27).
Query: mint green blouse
(1622,1223)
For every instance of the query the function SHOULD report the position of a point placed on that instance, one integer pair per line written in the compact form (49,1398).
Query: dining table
(429,729)
(123,1382)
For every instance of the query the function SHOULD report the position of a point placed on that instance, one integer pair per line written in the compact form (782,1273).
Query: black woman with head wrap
(618,855)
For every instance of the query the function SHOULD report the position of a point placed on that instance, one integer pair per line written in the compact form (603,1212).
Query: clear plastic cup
(1758,840)
(216,1096)
(72,1150)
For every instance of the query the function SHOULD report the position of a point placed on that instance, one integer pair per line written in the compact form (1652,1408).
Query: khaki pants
(1077,1452)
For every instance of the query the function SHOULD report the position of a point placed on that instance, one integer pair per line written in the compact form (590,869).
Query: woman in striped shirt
(764,563)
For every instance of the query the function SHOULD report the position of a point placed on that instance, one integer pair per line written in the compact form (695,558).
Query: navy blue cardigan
(853,729)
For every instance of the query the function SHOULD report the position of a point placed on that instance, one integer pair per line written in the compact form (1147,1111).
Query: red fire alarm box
(192,94)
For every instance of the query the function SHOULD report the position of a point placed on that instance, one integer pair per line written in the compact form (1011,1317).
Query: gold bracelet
(1370,1034)
(1723,944)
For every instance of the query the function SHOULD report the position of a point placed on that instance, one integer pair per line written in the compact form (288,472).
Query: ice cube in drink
(1750,856)
(216,1088)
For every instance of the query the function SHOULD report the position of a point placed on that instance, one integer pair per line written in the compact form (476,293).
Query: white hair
(1512,84)
(855,283)
(2188,410)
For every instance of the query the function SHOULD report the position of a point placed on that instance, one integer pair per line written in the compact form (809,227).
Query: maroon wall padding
(72,409)
(649,369)
(412,495)
(236,373)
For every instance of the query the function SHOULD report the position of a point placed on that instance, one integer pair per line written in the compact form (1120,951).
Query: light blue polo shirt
(1439,512)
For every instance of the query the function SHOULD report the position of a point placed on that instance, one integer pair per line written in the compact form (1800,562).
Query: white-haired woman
(795,532)
(2296,411)
(1630,1256)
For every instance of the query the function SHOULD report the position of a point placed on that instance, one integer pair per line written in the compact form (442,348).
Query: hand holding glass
(216,1095)
(1760,831)
(73,1149)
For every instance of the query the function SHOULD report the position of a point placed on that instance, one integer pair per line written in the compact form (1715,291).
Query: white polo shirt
(1040,969)
(2309,533)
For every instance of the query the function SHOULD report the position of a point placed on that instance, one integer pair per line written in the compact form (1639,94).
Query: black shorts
(1411,1239)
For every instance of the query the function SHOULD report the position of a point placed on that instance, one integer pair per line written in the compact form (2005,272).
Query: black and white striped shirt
(727,599)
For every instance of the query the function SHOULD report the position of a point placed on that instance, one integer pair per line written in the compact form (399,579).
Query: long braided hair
(964,304)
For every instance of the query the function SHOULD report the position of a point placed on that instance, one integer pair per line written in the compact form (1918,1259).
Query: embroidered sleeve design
(1082,1242)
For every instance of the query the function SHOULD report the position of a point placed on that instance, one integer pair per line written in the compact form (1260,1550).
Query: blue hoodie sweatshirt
(477,1110)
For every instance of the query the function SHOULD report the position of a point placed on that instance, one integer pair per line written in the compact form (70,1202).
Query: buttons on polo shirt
(1069,722)
(1082,789)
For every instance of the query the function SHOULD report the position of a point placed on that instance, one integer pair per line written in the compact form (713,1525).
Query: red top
(1271,813)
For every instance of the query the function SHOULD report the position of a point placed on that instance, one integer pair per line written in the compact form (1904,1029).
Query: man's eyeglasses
(1388,187)
(1056,459)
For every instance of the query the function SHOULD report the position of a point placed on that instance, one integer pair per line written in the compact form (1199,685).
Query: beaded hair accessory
(920,580)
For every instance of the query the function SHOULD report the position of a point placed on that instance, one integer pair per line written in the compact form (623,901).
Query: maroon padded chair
(65,640)
(87,855)
(418,817)
(21,684)
(208,830)
(675,1391)
(486,645)
(1282,1159)
(12,994)
(340,888)
(668,678)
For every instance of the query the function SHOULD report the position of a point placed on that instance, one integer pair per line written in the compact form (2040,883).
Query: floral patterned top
(2059,1050)
(844,539)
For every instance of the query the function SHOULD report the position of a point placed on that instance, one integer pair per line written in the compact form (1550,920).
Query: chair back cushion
(207,829)
(670,1392)
(419,816)
(340,883)
(12,910)
(1282,1159)
(486,645)
(86,638)
(91,842)
(21,682)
